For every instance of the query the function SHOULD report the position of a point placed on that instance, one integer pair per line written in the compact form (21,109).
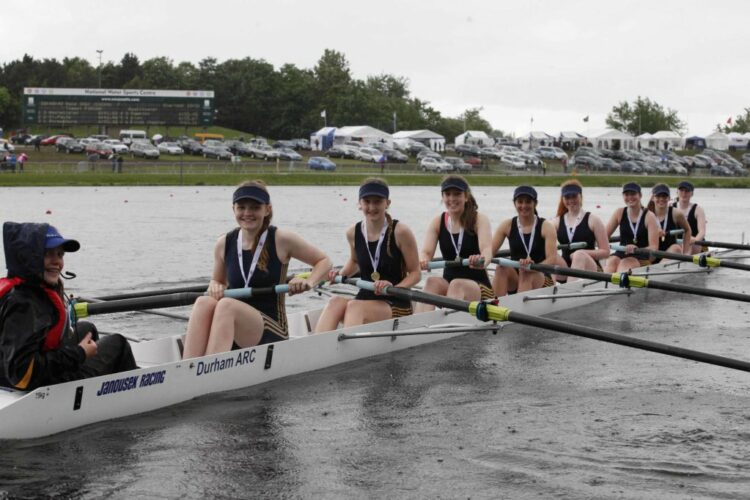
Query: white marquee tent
(737,140)
(717,140)
(474,137)
(672,140)
(611,139)
(433,140)
(363,134)
(645,140)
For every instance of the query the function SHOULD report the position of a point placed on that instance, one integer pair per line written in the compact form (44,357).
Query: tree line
(251,95)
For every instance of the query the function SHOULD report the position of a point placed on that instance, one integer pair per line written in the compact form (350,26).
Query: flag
(323,114)
(586,118)
(729,120)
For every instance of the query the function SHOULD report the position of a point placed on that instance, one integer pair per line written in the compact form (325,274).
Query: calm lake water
(526,413)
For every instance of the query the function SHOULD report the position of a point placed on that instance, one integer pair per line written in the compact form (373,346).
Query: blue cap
(524,191)
(570,189)
(454,183)
(632,187)
(251,193)
(54,239)
(686,185)
(374,189)
(660,189)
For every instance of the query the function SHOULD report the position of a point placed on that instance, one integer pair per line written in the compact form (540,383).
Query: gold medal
(375,276)
(635,241)
(458,258)
(662,239)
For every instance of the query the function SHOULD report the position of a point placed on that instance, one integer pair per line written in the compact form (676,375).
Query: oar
(489,312)
(506,252)
(673,232)
(144,311)
(185,289)
(625,280)
(84,309)
(440,264)
(700,259)
(721,244)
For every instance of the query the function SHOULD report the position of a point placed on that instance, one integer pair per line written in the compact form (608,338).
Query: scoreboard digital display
(63,107)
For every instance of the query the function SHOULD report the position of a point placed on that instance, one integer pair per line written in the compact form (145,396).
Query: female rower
(463,233)
(574,225)
(669,219)
(255,254)
(531,240)
(40,342)
(384,251)
(638,229)
(696,217)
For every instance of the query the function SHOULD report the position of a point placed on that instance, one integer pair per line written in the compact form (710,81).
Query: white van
(127,136)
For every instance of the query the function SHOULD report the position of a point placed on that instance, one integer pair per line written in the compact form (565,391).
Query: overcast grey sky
(555,61)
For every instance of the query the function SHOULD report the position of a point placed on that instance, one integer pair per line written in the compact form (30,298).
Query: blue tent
(695,142)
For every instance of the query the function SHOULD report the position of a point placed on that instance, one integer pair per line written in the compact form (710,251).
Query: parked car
(336,152)
(321,163)
(414,148)
(720,170)
(551,153)
(5,146)
(427,153)
(144,150)
(284,144)
(19,138)
(263,152)
(676,168)
(586,161)
(191,147)
(116,144)
(69,145)
(289,154)
(513,161)
(219,152)
(630,166)
(370,154)
(237,147)
(703,161)
(301,144)
(438,165)
(170,148)
(493,153)
(746,159)
(458,164)
(394,156)
(100,149)
(468,150)
(475,161)
(531,159)
(609,165)
(52,140)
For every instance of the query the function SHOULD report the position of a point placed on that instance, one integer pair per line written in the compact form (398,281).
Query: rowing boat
(163,379)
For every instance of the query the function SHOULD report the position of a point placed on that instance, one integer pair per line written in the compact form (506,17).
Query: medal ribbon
(637,223)
(256,256)
(450,233)
(374,260)
(531,238)
(572,229)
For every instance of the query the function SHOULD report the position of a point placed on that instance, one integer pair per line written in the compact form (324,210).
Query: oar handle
(672,232)
(440,264)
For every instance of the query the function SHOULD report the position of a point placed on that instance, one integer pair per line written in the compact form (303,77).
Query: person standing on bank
(384,251)
(255,255)
(40,342)
(462,233)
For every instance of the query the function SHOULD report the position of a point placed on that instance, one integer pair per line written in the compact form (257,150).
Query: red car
(473,161)
(52,140)
(99,148)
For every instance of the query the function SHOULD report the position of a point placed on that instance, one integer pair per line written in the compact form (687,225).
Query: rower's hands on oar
(332,275)
(477,262)
(380,286)
(424,264)
(630,249)
(88,345)
(215,289)
(525,262)
(299,285)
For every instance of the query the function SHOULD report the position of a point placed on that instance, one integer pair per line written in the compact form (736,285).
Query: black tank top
(626,232)
(271,305)
(517,250)
(582,233)
(391,266)
(469,246)
(669,239)
(692,220)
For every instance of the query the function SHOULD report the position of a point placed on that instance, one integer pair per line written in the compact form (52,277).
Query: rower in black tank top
(517,249)
(271,306)
(667,240)
(390,267)
(626,233)
(691,218)
(469,247)
(582,232)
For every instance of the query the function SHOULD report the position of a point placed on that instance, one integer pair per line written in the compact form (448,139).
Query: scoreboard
(63,107)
